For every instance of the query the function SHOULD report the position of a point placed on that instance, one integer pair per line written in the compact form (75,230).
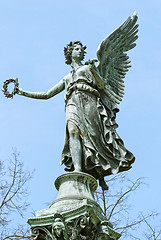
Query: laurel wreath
(5,87)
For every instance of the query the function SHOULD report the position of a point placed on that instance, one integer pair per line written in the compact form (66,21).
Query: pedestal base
(74,214)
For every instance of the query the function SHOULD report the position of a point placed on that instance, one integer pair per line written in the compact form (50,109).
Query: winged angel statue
(92,93)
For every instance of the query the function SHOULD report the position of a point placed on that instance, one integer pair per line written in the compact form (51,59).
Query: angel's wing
(112,58)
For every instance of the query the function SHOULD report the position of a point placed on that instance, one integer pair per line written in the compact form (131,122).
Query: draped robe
(103,150)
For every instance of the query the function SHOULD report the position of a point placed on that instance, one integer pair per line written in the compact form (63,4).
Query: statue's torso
(82,72)
(79,80)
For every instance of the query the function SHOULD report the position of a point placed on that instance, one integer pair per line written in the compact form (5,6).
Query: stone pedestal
(74,215)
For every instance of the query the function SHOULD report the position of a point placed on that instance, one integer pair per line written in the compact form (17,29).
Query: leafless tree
(151,230)
(152,233)
(114,203)
(13,195)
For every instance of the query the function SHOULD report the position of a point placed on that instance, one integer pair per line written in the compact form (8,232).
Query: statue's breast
(82,72)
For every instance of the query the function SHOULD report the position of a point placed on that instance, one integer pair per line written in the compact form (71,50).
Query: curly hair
(68,51)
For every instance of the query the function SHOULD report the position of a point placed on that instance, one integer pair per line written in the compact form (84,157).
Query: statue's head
(58,227)
(69,49)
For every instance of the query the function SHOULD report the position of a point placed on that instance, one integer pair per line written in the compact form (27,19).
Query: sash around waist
(80,86)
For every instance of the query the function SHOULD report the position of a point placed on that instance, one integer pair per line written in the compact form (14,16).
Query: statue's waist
(81,86)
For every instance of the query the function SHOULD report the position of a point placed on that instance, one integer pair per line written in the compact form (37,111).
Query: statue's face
(58,230)
(77,53)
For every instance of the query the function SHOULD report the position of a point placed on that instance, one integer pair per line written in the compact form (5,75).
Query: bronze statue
(92,93)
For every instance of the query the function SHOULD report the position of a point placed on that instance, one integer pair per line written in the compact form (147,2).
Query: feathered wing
(113,61)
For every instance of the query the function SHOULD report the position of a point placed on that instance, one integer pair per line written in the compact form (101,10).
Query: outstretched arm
(44,95)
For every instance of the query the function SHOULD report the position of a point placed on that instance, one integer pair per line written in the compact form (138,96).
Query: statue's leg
(75,146)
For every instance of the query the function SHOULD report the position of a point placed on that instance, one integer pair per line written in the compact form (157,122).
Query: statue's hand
(91,62)
(19,91)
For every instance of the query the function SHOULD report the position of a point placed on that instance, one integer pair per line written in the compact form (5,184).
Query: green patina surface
(92,147)
(92,93)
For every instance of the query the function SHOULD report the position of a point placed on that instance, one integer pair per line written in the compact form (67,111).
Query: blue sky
(33,35)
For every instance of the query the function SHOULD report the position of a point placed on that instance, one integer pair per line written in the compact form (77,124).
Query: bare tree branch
(13,196)
(153,233)
(20,233)
(132,188)
(136,222)
(114,203)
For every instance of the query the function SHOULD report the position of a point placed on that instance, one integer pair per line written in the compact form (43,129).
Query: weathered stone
(92,93)
(92,145)
(74,214)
